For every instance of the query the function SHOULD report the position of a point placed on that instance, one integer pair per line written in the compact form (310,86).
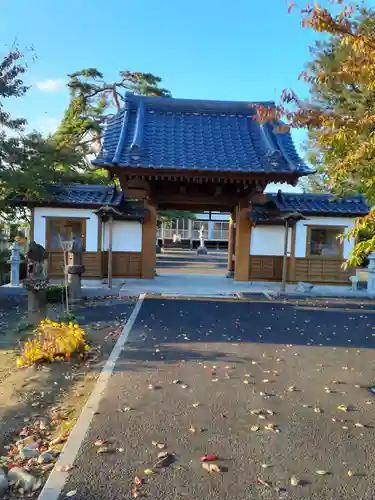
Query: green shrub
(55,293)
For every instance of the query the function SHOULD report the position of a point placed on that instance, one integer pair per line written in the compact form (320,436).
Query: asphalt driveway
(194,377)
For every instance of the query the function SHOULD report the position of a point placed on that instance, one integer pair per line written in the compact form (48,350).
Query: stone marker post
(36,283)
(201,250)
(75,268)
(371,274)
(15,261)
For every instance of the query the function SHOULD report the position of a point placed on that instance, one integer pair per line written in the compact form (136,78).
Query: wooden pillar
(110,239)
(242,249)
(292,257)
(100,247)
(149,242)
(231,241)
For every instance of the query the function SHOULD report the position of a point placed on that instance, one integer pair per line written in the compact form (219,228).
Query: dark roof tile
(154,132)
(94,195)
(320,204)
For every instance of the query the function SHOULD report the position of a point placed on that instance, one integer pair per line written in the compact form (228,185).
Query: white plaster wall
(268,240)
(126,236)
(301,232)
(91,224)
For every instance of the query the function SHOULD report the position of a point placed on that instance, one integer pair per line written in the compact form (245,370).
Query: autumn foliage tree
(340,115)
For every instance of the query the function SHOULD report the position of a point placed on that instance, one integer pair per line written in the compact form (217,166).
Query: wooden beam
(242,251)
(149,242)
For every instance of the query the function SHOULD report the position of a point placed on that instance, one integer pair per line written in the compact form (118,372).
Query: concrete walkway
(194,285)
(203,285)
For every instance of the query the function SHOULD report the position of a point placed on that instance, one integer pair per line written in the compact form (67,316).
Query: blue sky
(241,50)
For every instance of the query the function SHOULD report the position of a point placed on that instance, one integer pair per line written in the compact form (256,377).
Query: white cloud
(51,85)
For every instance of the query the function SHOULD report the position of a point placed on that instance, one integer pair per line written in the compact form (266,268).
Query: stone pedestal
(371,274)
(75,269)
(15,261)
(36,306)
(36,283)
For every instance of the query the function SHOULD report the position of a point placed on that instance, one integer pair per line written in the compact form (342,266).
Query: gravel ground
(300,361)
(27,392)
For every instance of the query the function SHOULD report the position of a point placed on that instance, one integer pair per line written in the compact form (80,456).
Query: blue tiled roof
(184,134)
(320,204)
(89,195)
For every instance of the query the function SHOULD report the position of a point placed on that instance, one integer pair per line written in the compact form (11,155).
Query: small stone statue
(75,268)
(36,282)
(201,250)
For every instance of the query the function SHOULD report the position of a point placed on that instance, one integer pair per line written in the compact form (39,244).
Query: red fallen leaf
(11,466)
(138,480)
(263,482)
(208,458)
(135,492)
(99,442)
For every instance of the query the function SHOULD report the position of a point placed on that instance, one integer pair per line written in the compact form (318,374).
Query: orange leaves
(291,6)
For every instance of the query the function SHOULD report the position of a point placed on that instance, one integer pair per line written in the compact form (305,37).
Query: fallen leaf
(184,386)
(195,405)
(99,442)
(292,388)
(343,408)
(208,458)
(138,480)
(318,410)
(294,481)
(350,473)
(105,449)
(192,429)
(135,492)
(71,493)
(322,472)
(358,424)
(265,466)
(271,427)
(209,467)
(255,428)
(154,443)
(64,468)
(263,482)
(148,472)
